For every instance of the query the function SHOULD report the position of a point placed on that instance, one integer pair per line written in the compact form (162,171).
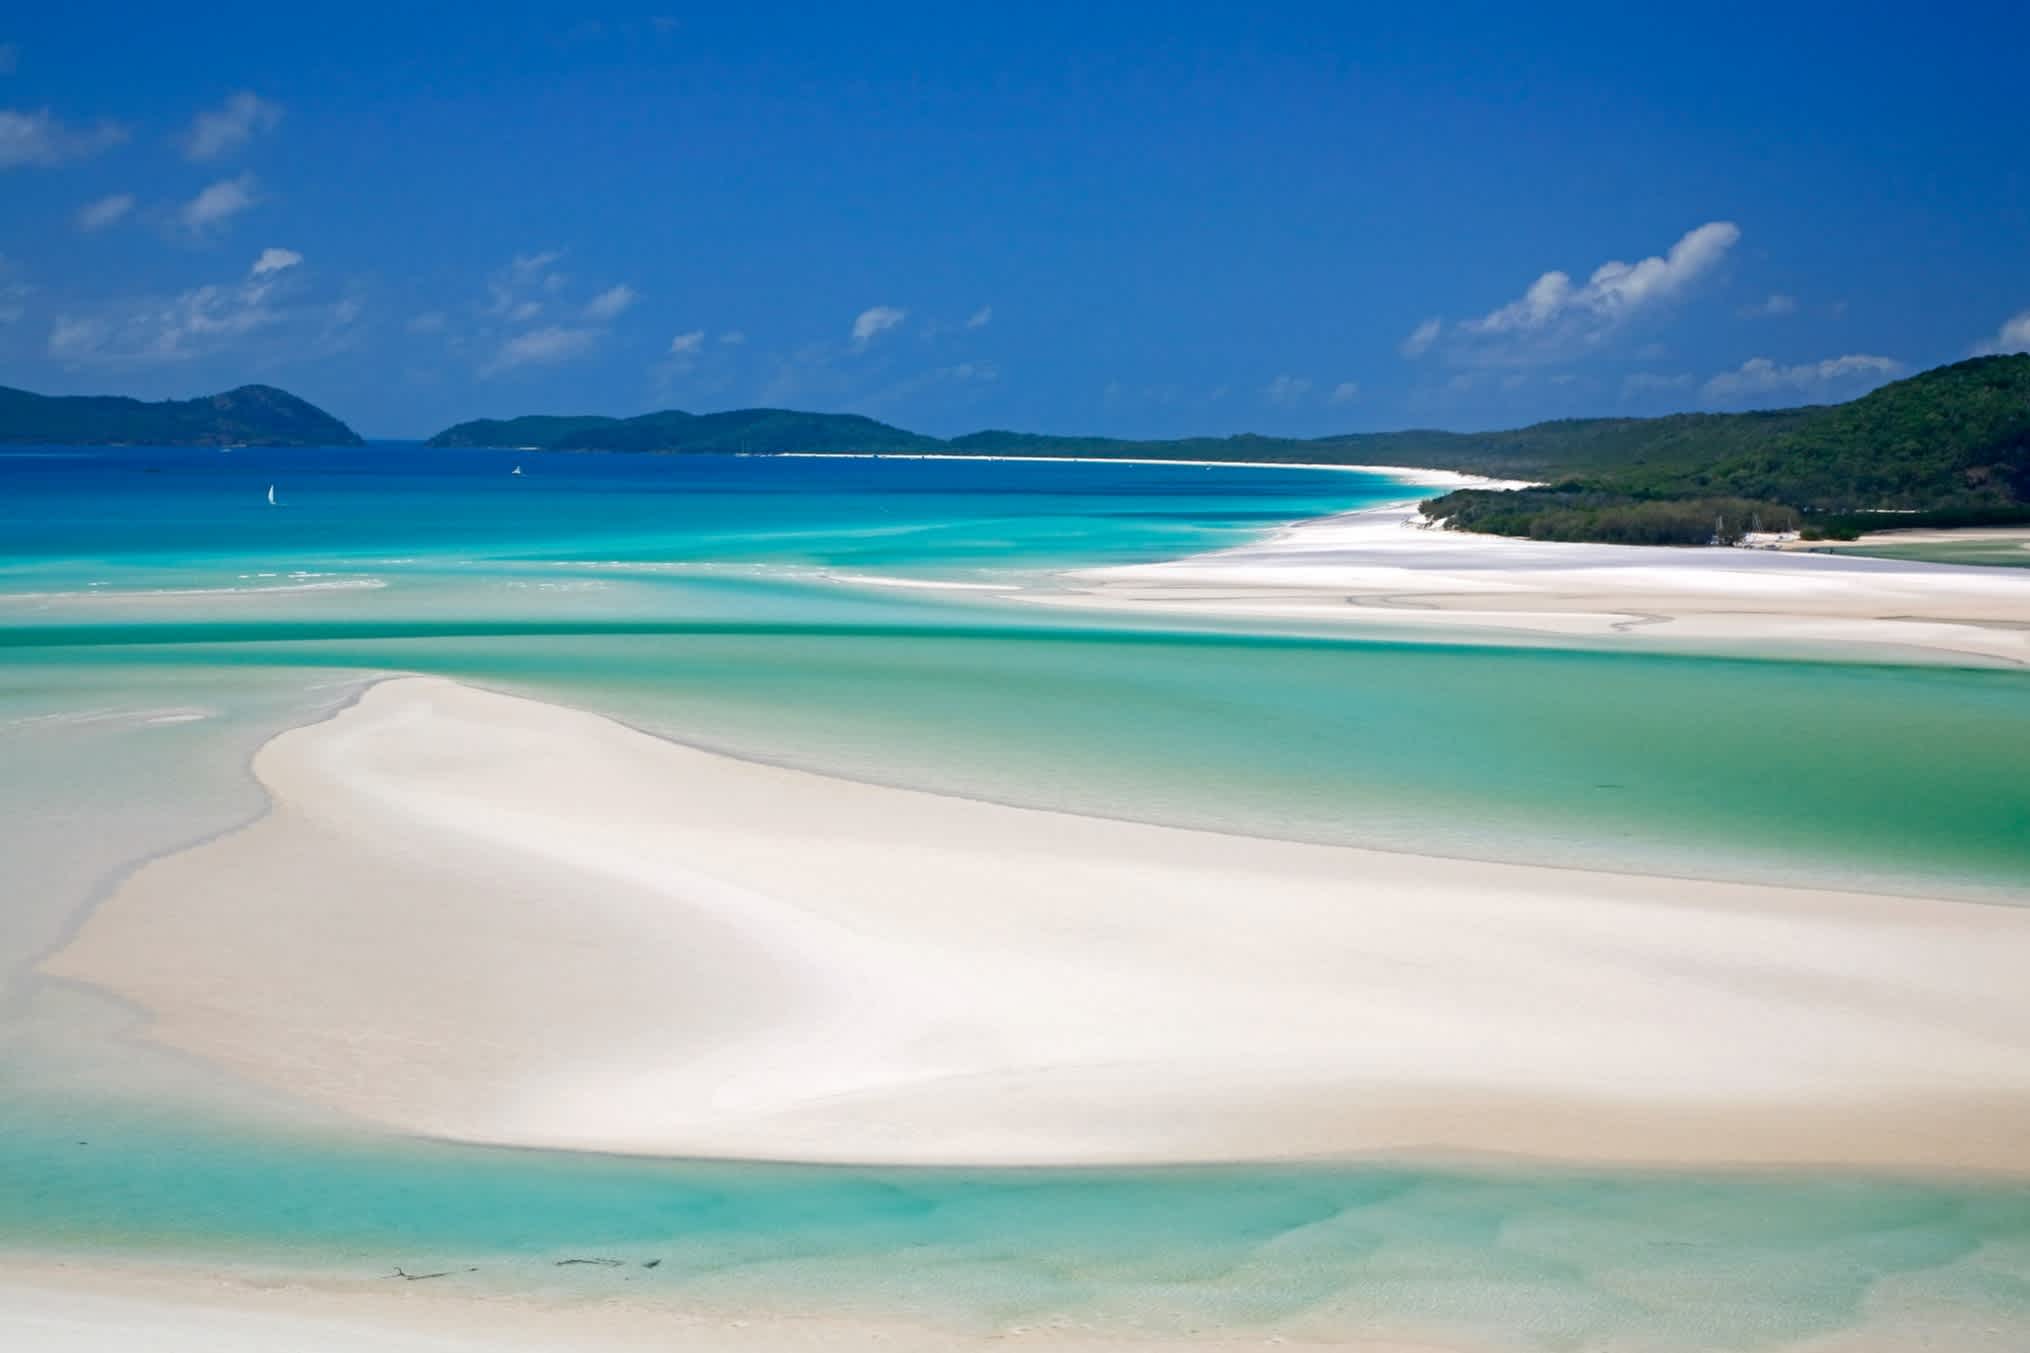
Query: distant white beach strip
(1388,566)
(1437,479)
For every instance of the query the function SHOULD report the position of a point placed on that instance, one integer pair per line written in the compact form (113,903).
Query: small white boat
(516,470)
(271,497)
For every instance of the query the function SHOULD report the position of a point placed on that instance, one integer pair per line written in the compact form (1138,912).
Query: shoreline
(1916,535)
(1409,475)
(477,917)
(54,1305)
(1379,566)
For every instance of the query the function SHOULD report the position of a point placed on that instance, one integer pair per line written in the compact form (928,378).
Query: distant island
(1948,447)
(252,415)
(674,432)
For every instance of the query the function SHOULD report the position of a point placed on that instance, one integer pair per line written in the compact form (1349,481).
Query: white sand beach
(1408,474)
(2015,537)
(1383,566)
(475,916)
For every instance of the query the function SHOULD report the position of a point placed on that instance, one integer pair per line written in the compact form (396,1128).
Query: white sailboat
(516,470)
(271,497)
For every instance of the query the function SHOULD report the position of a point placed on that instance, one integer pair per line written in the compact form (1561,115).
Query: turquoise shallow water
(1538,1260)
(146,515)
(157,620)
(700,597)
(1878,777)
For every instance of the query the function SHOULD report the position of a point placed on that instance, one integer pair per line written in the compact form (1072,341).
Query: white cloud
(1286,390)
(1774,305)
(542,347)
(532,267)
(98,214)
(874,321)
(610,303)
(682,357)
(192,324)
(529,286)
(217,204)
(1422,337)
(70,336)
(12,293)
(1615,289)
(428,322)
(507,289)
(2013,336)
(1556,317)
(38,138)
(1654,382)
(342,319)
(733,338)
(981,318)
(254,321)
(1344,393)
(960,374)
(275,260)
(222,130)
(1759,375)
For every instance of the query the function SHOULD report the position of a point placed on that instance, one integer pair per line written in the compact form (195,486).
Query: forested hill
(1952,443)
(1950,446)
(1539,451)
(1532,452)
(676,432)
(253,415)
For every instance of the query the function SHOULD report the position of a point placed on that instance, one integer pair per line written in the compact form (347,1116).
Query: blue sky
(1284,218)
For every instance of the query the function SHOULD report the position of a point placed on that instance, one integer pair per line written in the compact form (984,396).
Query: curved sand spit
(482,917)
(1379,567)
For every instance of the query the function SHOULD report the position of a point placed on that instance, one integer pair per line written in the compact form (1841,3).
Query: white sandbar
(1381,566)
(481,917)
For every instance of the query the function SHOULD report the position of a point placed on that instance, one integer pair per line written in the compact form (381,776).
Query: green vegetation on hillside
(1571,511)
(539,430)
(253,415)
(676,432)
(1532,452)
(1949,447)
